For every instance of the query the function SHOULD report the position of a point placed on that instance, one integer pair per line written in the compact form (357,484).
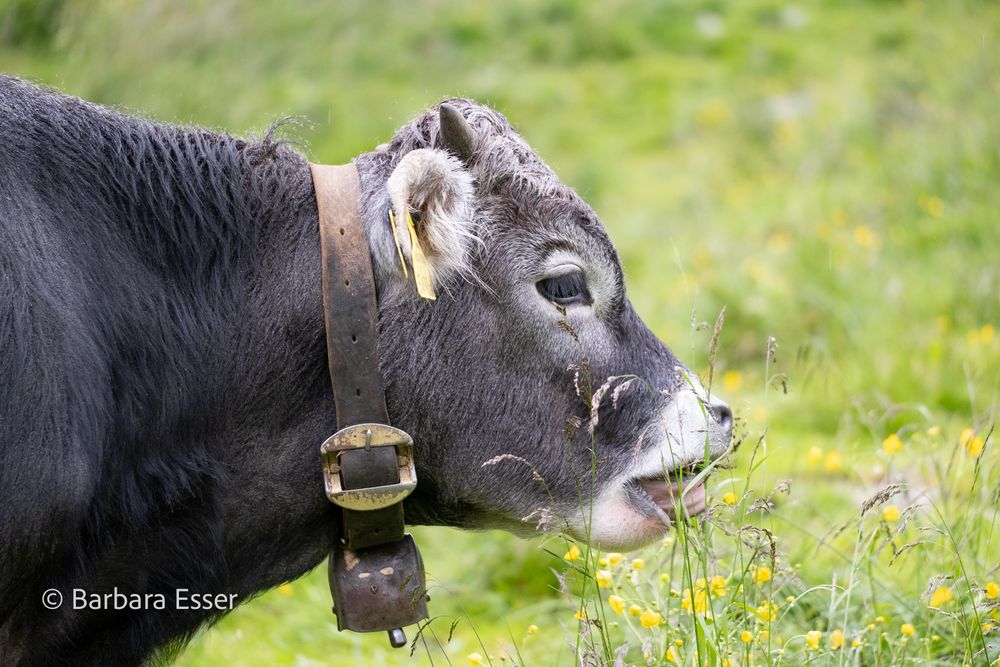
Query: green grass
(827,172)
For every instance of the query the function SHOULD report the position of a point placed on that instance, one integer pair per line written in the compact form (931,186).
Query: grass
(827,172)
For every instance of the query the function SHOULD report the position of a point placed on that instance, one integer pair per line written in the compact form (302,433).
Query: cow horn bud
(456,134)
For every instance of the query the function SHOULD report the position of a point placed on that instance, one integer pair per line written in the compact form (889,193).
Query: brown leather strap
(351,316)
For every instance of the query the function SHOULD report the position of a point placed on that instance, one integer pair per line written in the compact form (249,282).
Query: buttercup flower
(812,639)
(532,629)
(814,456)
(763,574)
(614,558)
(940,596)
(836,639)
(638,564)
(833,461)
(603,578)
(767,612)
(718,586)
(696,602)
(573,553)
(890,513)
(649,619)
(635,610)
(475,659)
(746,636)
(892,444)
(729,498)
(907,630)
(992,590)
(616,603)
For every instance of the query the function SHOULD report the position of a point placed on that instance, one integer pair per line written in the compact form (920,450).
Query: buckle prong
(366,436)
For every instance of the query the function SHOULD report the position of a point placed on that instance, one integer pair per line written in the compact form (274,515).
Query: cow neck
(350,313)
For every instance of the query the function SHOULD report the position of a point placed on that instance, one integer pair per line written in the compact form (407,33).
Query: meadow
(820,179)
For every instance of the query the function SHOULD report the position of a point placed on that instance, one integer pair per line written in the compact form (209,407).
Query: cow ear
(431,198)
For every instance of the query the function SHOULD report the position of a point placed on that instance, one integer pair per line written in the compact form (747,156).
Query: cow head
(536,396)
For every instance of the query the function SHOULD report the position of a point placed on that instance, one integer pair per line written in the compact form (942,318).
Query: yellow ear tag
(399,248)
(421,271)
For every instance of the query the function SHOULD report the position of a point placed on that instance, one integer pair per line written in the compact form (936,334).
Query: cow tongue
(667,496)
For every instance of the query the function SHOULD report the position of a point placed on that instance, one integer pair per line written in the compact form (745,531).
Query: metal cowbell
(378,588)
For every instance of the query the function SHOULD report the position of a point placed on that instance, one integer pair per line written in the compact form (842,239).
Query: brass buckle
(366,436)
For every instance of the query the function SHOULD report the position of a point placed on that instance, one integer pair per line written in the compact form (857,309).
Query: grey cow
(165,388)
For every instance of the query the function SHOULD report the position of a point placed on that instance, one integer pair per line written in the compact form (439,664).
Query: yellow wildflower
(580,615)
(987,333)
(892,444)
(907,629)
(986,627)
(729,498)
(635,610)
(965,436)
(975,445)
(767,612)
(746,636)
(833,461)
(696,602)
(732,381)
(940,596)
(931,205)
(603,561)
(679,642)
(718,586)
(616,603)
(475,659)
(763,574)
(665,578)
(532,629)
(573,553)
(880,619)
(814,456)
(614,558)
(763,635)
(649,619)
(865,237)
(836,639)
(790,599)
(890,513)
(603,578)
(812,639)
(855,643)
(638,564)
(992,590)
(671,655)
(934,431)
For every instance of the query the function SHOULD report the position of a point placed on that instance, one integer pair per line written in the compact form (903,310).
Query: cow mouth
(674,494)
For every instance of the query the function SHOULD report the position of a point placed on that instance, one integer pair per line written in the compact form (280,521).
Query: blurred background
(829,172)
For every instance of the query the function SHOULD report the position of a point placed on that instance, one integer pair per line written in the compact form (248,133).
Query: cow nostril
(721,414)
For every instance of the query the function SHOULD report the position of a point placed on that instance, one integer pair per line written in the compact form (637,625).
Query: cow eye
(566,289)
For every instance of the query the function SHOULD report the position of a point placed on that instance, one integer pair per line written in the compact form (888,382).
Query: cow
(163,379)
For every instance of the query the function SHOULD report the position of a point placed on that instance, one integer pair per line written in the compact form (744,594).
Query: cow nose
(721,413)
